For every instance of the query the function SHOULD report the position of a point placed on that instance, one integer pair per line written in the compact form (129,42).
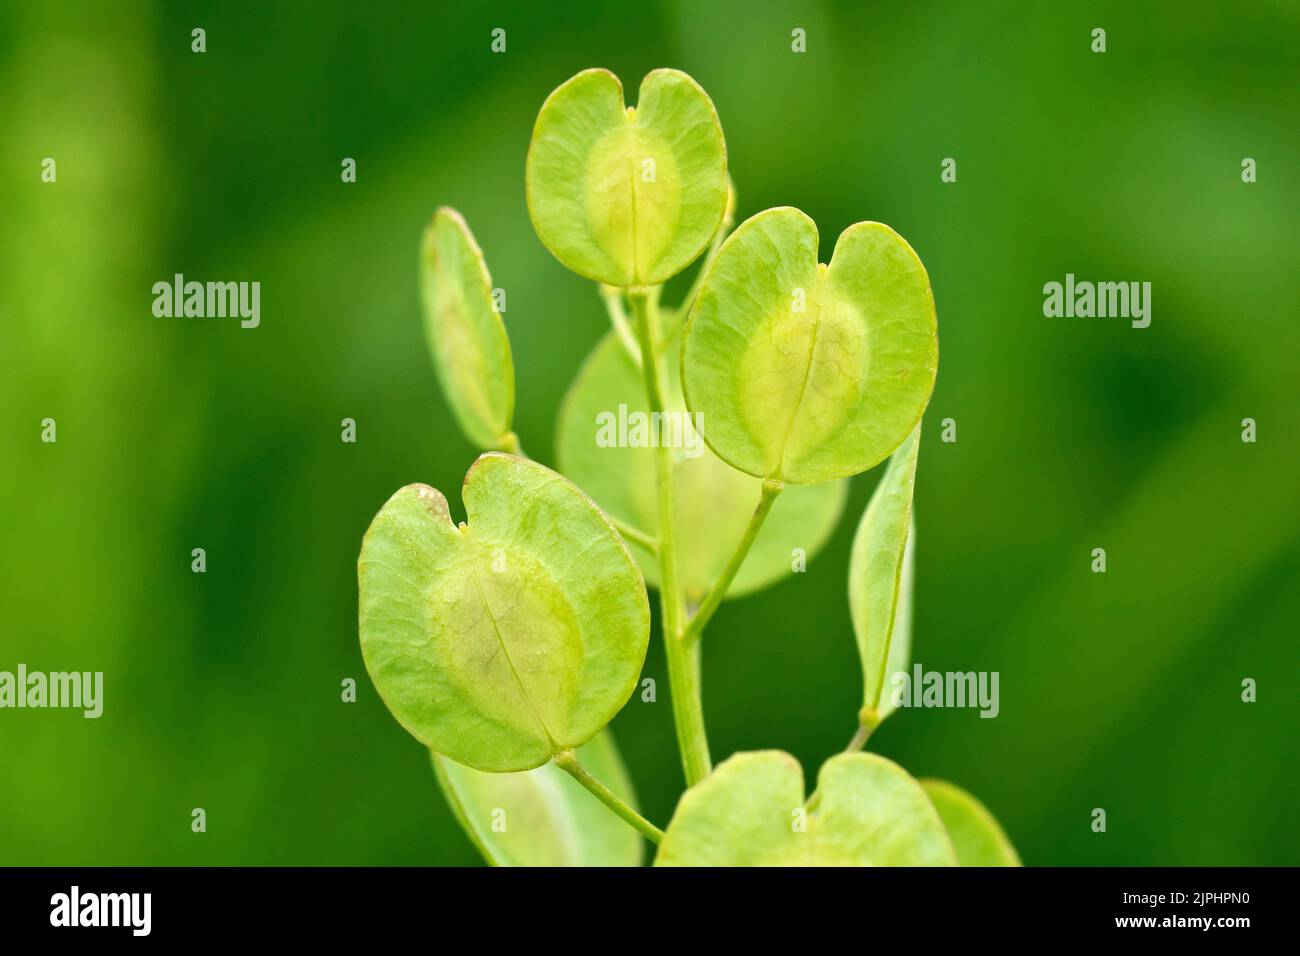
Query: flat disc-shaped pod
(880,581)
(750,812)
(603,444)
(508,639)
(544,817)
(466,336)
(805,372)
(975,833)
(627,195)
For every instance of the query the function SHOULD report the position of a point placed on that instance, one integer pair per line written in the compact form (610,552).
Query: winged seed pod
(628,196)
(976,835)
(805,372)
(880,582)
(751,812)
(511,638)
(466,336)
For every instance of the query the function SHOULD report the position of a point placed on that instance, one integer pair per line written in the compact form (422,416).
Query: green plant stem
(649,542)
(509,442)
(688,709)
(771,488)
(860,738)
(869,723)
(683,664)
(613,298)
(567,761)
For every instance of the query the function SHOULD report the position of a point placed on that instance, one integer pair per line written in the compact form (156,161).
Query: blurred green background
(1119,691)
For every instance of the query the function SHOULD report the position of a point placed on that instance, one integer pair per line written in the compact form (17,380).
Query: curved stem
(567,761)
(860,738)
(613,298)
(869,723)
(771,488)
(636,535)
(683,665)
(509,442)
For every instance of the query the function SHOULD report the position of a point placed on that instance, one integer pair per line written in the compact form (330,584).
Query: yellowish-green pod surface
(805,372)
(976,835)
(628,196)
(511,637)
(543,817)
(880,581)
(750,812)
(466,336)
